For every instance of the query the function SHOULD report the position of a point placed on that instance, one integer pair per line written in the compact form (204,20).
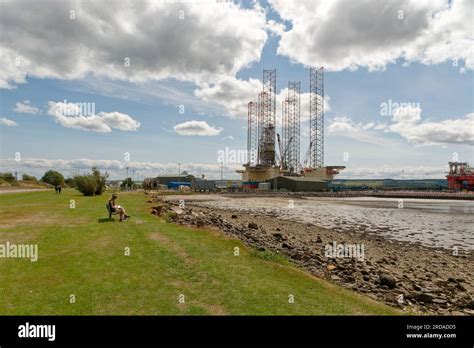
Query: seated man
(117,208)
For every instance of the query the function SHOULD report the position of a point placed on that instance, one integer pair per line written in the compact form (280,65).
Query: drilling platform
(285,169)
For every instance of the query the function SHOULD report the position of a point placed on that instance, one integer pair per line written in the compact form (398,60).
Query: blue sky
(437,85)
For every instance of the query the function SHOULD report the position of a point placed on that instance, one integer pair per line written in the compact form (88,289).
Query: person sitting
(118,209)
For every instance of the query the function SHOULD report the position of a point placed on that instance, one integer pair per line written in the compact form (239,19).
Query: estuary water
(430,222)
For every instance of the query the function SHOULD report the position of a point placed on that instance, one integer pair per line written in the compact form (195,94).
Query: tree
(91,184)
(53,177)
(27,177)
(127,183)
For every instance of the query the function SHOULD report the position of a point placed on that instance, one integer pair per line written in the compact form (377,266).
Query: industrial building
(285,170)
(164,181)
(203,185)
(298,183)
(194,183)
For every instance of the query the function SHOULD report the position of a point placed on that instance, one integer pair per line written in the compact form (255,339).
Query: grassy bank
(22,184)
(80,256)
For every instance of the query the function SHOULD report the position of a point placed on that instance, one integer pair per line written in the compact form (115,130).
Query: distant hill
(389,184)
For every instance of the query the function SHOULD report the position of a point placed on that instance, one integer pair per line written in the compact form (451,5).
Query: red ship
(460,177)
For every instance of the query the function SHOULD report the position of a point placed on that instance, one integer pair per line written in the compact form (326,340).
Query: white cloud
(344,34)
(275,28)
(117,169)
(70,115)
(342,124)
(304,104)
(407,114)
(200,128)
(394,172)
(407,123)
(14,69)
(233,95)
(192,41)
(25,107)
(8,123)
(346,127)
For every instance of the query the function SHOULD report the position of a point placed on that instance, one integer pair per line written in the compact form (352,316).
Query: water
(435,223)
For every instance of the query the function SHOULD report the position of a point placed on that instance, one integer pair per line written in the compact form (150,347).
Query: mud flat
(417,277)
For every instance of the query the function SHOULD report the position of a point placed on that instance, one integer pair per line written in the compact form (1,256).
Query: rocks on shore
(388,281)
(422,290)
(253,226)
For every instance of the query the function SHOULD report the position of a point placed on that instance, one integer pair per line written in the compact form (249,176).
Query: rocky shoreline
(411,277)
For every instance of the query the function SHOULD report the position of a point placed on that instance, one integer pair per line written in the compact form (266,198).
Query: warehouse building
(298,184)
(203,185)
(164,181)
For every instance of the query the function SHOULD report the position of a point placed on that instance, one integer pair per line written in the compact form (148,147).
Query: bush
(27,177)
(100,179)
(91,184)
(53,177)
(86,184)
(8,177)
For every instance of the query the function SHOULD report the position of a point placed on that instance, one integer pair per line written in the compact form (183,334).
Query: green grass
(80,255)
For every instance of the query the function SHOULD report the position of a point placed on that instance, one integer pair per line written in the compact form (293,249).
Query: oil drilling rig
(285,169)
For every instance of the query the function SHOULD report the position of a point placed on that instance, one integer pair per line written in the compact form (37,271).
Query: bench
(109,210)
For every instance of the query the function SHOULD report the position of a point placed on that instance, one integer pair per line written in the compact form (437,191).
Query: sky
(163,86)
